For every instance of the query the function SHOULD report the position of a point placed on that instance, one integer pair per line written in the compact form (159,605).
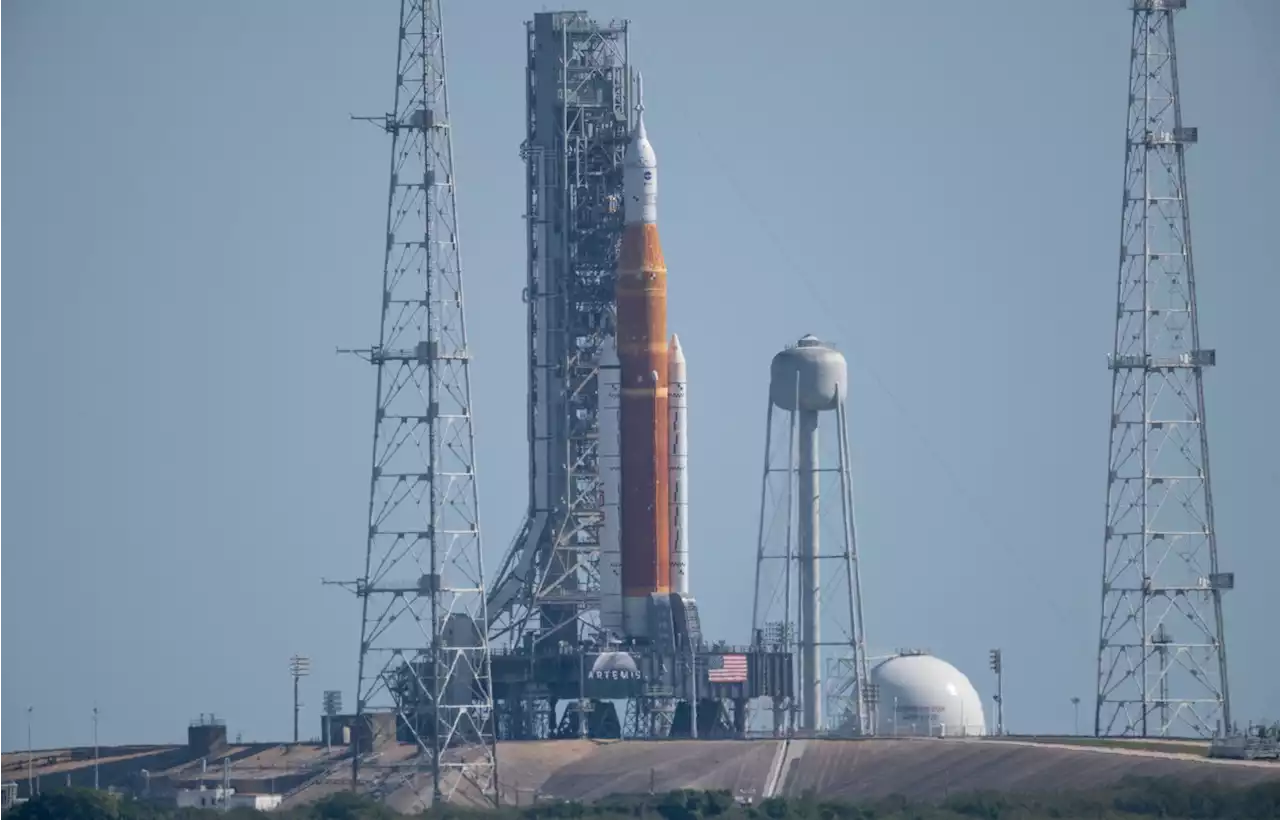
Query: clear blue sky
(192,225)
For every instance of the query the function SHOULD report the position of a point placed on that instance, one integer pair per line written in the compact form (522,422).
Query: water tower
(808,598)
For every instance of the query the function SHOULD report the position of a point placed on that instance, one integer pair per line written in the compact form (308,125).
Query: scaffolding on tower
(546,593)
(577,128)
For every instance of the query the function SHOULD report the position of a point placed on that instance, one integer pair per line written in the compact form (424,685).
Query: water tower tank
(822,371)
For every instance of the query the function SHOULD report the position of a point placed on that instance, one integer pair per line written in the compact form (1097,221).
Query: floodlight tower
(424,652)
(1162,656)
(807,381)
(332,704)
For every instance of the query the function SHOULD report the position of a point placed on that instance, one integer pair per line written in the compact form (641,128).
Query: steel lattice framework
(1162,658)
(578,115)
(424,653)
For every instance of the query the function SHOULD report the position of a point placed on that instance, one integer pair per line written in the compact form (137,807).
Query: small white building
(919,695)
(9,796)
(219,797)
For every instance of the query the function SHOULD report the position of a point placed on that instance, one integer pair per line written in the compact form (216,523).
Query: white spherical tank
(919,695)
(811,370)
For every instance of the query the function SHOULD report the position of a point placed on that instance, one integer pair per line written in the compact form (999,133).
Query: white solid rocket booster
(677,392)
(608,451)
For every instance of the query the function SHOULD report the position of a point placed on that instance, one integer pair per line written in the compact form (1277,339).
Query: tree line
(1130,799)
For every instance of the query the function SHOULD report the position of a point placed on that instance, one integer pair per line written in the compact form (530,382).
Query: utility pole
(299,667)
(997,666)
(95,747)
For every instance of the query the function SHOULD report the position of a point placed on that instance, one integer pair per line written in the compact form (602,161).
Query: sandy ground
(589,770)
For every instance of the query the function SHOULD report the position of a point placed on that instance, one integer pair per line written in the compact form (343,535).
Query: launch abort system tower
(1162,655)
(808,595)
(424,652)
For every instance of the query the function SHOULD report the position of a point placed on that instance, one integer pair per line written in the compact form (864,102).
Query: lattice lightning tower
(1162,658)
(424,653)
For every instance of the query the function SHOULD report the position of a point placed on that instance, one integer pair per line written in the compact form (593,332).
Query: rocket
(611,620)
(644,406)
(679,481)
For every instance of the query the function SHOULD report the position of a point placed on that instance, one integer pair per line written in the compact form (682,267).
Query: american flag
(727,668)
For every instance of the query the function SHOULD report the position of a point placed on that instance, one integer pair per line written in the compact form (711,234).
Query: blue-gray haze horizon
(193,225)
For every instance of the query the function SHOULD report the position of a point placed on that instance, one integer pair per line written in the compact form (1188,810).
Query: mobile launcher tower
(564,655)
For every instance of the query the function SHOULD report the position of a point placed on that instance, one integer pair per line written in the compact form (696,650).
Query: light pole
(30,757)
(95,747)
(1075,706)
(299,667)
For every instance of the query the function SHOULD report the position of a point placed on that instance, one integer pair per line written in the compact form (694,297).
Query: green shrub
(1131,799)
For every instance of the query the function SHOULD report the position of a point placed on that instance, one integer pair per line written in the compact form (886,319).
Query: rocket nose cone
(675,353)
